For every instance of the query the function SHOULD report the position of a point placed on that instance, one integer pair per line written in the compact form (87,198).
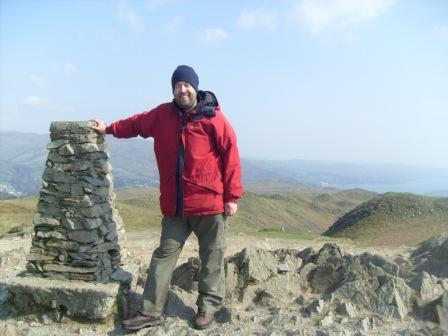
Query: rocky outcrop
(432,256)
(314,291)
(328,290)
(77,230)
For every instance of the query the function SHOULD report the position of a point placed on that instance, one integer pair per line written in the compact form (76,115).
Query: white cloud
(126,15)
(69,67)
(258,18)
(40,82)
(214,34)
(440,30)
(34,101)
(320,16)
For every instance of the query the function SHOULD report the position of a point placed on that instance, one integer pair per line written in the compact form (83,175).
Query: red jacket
(204,139)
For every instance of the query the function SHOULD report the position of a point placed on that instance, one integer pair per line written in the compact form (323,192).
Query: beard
(186,102)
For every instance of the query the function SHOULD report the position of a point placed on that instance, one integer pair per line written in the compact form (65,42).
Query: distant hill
(391,217)
(309,211)
(23,155)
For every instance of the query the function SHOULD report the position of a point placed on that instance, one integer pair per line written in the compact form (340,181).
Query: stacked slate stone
(78,231)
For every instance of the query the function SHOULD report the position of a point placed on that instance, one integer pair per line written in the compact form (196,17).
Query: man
(200,183)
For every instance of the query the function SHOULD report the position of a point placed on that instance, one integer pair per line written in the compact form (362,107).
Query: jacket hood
(206,98)
(207,102)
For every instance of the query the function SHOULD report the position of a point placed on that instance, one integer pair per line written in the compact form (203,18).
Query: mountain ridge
(23,157)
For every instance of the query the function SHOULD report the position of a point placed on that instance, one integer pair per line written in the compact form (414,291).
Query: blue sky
(339,80)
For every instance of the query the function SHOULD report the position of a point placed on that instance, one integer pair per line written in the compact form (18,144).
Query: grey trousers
(210,231)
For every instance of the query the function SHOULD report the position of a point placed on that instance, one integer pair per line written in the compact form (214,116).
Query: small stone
(54,156)
(111,236)
(430,289)
(56,144)
(40,219)
(72,223)
(48,210)
(103,247)
(366,324)
(62,257)
(68,269)
(316,307)
(442,312)
(83,236)
(77,189)
(327,320)
(347,309)
(66,150)
(39,257)
(329,298)
(224,315)
(92,212)
(91,148)
(51,234)
(63,188)
(53,175)
(92,223)
(46,319)
(282,268)
(66,245)
(306,270)
(102,167)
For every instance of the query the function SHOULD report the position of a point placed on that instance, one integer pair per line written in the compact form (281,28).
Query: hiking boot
(140,321)
(203,320)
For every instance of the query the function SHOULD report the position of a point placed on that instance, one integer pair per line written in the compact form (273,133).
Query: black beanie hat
(187,74)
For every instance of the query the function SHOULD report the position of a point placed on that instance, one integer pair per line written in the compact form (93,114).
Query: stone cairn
(77,229)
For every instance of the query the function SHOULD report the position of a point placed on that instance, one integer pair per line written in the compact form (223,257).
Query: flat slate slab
(73,298)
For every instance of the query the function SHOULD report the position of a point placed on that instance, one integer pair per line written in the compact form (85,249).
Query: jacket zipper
(180,169)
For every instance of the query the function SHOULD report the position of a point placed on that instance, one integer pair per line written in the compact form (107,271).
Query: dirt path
(143,243)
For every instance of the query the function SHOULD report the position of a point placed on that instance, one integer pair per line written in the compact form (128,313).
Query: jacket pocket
(216,187)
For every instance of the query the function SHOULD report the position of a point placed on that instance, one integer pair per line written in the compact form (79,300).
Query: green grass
(302,214)
(394,217)
(280,234)
(288,215)
(17,214)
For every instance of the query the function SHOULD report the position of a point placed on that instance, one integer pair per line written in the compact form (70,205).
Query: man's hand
(230,209)
(100,126)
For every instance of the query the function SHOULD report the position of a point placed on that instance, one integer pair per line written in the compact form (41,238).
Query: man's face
(185,95)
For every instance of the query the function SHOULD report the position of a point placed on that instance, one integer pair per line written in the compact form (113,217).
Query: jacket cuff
(109,129)
(231,200)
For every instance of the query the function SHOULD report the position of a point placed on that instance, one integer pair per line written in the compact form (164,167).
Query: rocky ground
(276,287)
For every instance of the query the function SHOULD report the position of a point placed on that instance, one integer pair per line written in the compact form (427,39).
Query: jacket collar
(205,107)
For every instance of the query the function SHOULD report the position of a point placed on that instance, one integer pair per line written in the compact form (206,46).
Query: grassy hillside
(393,217)
(17,215)
(301,211)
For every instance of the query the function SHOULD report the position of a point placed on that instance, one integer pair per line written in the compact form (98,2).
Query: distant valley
(282,198)
(23,158)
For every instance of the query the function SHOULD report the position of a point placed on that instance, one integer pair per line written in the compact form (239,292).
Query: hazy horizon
(325,80)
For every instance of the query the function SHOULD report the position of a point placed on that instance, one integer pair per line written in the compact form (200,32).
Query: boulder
(255,265)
